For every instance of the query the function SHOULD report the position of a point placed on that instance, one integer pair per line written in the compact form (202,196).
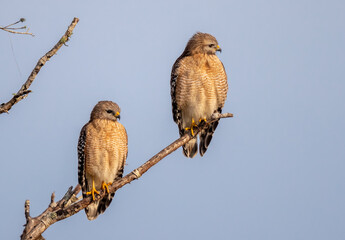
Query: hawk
(102,153)
(198,89)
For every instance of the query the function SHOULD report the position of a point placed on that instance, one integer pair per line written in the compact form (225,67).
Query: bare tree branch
(17,32)
(69,204)
(12,30)
(24,90)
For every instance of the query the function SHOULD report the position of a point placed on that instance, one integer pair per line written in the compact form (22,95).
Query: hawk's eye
(110,111)
(211,45)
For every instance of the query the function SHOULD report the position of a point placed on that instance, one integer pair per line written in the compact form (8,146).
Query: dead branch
(24,90)
(10,29)
(69,204)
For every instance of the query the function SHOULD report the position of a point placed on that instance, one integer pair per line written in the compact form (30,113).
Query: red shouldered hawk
(198,89)
(102,153)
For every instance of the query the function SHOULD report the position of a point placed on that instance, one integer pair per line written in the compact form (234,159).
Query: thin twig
(16,32)
(20,20)
(23,91)
(11,30)
(16,28)
(36,226)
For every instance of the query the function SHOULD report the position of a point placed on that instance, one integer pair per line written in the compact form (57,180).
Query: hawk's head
(106,110)
(202,43)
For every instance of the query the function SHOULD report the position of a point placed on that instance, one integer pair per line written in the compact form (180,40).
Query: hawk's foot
(193,125)
(105,186)
(93,191)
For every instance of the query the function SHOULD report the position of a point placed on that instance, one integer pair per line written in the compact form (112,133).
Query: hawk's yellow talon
(105,186)
(193,124)
(93,191)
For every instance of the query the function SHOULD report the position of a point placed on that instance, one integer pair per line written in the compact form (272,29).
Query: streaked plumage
(102,152)
(198,88)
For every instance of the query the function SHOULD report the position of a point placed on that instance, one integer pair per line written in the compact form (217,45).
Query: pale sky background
(274,171)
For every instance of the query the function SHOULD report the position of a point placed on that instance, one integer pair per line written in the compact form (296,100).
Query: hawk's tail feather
(105,202)
(95,208)
(206,137)
(190,148)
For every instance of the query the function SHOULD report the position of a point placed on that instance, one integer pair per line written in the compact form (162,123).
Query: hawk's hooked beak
(117,115)
(218,49)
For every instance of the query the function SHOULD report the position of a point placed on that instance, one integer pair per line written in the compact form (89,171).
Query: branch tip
(52,198)
(52,201)
(27,210)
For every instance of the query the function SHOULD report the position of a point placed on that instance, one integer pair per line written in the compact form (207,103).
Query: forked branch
(9,28)
(24,90)
(69,204)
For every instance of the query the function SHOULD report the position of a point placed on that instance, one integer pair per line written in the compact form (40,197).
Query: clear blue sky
(274,171)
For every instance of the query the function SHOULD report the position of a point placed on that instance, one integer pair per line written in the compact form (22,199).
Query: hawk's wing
(175,110)
(190,148)
(81,160)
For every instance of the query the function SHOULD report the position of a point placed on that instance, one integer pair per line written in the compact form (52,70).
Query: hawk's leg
(105,186)
(203,119)
(192,126)
(93,190)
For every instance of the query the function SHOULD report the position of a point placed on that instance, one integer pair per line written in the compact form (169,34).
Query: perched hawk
(198,89)
(102,152)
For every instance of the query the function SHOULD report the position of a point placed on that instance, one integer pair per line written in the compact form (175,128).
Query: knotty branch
(69,204)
